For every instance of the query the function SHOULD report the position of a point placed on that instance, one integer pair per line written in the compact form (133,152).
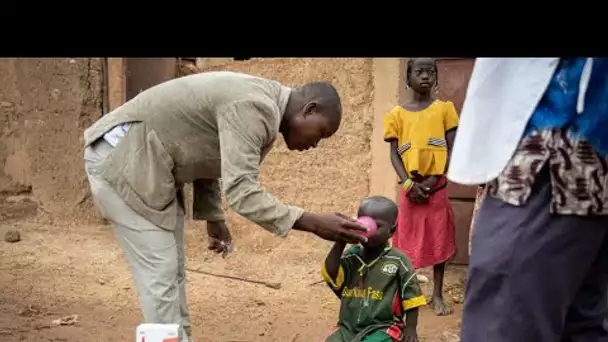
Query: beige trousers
(155,256)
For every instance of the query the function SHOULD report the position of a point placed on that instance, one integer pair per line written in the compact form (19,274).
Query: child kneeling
(375,282)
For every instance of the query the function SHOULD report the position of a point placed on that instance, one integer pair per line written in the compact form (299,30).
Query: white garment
(114,135)
(501,97)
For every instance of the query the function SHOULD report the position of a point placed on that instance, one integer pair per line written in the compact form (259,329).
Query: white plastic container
(157,333)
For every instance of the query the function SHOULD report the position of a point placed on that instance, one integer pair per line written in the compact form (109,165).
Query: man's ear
(394,229)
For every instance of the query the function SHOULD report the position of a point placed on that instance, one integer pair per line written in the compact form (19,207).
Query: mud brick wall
(335,176)
(44,106)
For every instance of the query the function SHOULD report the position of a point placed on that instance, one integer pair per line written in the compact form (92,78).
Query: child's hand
(410,335)
(430,182)
(418,193)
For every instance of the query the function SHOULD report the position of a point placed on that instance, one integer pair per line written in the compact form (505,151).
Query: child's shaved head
(379,207)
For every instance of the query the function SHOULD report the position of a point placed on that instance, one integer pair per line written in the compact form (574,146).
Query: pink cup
(368,222)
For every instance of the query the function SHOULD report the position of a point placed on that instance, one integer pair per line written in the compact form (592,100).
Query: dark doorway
(454,75)
(143,73)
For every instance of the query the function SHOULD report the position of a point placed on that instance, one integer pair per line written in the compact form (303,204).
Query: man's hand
(332,227)
(220,239)
(418,193)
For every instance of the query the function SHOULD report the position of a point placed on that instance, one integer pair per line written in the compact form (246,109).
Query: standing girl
(421,133)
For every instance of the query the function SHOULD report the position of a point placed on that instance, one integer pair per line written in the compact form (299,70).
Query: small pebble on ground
(12,236)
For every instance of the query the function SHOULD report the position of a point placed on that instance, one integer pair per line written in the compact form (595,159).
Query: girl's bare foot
(437,302)
(440,307)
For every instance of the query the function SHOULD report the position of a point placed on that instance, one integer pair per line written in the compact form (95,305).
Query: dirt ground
(59,269)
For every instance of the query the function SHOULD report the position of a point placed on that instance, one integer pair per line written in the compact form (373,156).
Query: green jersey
(375,295)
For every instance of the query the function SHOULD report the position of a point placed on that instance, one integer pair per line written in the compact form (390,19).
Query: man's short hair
(326,96)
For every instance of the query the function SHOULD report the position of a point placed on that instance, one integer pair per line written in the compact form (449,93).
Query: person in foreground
(375,282)
(535,131)
(420,134)
(198,129)
(479,197)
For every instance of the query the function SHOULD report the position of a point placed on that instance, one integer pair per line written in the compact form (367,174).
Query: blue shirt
(567,133)
(557,108)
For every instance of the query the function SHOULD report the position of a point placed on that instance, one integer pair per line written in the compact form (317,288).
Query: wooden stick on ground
(271,285)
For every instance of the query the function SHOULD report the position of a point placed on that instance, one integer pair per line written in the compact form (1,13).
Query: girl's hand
(418,193)
(430,182)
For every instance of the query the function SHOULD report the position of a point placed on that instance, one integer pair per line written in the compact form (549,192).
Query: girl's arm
(392,129)
(450,124)
(416,192)
(449,139)
(397,162)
